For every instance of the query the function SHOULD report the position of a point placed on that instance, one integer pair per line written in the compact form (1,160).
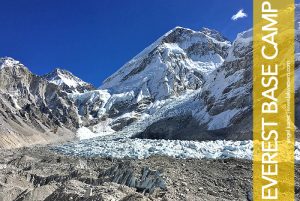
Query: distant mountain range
(192,85)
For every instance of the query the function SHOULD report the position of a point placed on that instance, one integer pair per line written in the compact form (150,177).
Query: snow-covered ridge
(177,40)
(60,76)
(240,45)
(8,62)
(67,81)
(214,34)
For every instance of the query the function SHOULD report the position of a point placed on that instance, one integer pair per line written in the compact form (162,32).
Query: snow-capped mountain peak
(8,62)
(60,76)
(175,65)
(67,80)
(177,61)
(181,34)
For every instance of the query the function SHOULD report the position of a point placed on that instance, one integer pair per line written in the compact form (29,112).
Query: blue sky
(94,38)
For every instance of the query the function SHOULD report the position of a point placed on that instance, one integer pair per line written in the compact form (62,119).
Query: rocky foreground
(39,174)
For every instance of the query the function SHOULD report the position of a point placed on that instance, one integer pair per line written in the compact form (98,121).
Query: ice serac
(32,110)
(176,64)
(67,81)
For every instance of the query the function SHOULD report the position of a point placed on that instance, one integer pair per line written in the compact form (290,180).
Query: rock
(183,183)
(88,193)
(124,174)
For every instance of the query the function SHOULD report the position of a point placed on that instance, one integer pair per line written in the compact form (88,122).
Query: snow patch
(16,103)
(222,120)
(85,133)
(219,82)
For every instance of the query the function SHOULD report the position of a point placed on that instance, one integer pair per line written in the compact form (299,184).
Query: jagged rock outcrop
(185,179)
(124,174)
(48,176)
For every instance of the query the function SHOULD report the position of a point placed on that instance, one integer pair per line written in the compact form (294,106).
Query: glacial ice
(114,146)
(144,148)
(118,147)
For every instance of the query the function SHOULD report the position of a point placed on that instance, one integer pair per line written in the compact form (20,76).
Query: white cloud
(240,14)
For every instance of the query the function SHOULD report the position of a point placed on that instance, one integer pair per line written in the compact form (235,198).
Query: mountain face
(32,110)
(223,103)
(178,61)
(67,81)
(222,109)
(176,64)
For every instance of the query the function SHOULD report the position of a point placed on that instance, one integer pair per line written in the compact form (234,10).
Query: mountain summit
(8,62)
(178,61)
(175,65)
(67,81)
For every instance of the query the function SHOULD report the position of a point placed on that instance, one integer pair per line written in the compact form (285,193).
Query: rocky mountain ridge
(32,110)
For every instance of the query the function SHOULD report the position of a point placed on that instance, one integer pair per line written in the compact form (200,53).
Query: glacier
(116,146)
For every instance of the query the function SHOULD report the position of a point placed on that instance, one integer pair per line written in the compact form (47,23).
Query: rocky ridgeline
(32,110)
